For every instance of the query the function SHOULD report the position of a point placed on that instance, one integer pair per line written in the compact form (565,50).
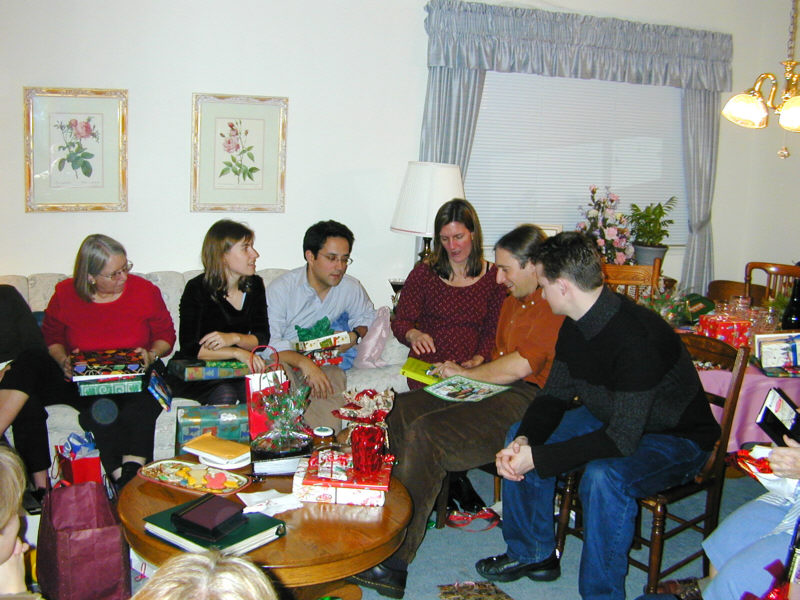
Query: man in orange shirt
(431,437)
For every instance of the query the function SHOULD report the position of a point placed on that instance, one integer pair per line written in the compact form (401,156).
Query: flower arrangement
(608,227)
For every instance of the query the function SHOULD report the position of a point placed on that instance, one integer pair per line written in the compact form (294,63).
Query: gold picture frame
(76,149)
(238,153)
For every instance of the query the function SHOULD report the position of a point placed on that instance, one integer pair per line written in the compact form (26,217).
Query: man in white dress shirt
(305,295)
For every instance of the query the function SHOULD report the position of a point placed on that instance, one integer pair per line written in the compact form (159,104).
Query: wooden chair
(710,479)
(721,290)
(779,278)
(633,280)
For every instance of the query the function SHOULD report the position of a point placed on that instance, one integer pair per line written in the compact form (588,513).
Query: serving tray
(193,477)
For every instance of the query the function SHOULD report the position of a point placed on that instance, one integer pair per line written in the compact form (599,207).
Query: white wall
(354,72)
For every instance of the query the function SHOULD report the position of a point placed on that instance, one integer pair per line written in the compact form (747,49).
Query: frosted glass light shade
(425,188)
(790,114)
(747,110)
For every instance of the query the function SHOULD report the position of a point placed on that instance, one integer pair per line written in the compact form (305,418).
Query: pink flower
(601,242)
(611,233)
(593,189)
(82,129)
(231,144)
(612,197)
(620,258)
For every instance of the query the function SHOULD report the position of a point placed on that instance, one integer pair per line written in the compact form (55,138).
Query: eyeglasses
(118,273)
(345,260)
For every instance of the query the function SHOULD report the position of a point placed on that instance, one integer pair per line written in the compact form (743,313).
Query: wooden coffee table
(324,543)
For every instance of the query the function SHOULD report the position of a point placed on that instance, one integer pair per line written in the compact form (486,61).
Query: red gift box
(378,480)
(726,328)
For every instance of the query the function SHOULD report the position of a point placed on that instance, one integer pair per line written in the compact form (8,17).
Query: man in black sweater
(623,400)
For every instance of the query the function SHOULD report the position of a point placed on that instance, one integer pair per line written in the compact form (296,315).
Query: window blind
(541,142)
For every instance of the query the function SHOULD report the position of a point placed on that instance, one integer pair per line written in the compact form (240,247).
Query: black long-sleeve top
(202,312)
(18,328)
(631,370)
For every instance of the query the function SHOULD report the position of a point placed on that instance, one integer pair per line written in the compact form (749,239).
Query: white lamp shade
(790,114)
(425,188)
(746,110)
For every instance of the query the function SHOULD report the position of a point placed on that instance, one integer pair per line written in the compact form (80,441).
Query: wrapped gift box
(331,494)
(328,341)
(105,387)
(228,422)
(728,329)
(191,370)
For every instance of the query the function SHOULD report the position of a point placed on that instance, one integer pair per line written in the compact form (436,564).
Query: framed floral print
(238,153)
(76,149)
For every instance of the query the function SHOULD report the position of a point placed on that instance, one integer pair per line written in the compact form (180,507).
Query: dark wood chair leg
(656,548)
(567,503)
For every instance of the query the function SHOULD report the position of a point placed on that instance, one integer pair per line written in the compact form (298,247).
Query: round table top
(323,542)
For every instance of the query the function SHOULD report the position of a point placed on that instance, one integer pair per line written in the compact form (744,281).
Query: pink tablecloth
(754,389)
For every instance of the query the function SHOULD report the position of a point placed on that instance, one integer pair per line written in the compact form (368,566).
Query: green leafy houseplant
(650,225)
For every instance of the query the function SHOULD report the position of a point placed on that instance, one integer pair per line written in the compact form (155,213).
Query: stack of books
(104,372)
(214,522)
(219,453)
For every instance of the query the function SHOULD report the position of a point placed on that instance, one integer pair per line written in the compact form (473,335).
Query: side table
(324,543)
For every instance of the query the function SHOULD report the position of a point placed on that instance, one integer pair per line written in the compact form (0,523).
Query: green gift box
(227,421)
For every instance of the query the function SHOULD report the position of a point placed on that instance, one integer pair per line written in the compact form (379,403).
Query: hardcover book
(463,389)
(209,517)
(258,529)
(217,450)
(419,370)
(106,364)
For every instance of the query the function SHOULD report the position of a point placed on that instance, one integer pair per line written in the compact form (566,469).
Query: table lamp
(425,188)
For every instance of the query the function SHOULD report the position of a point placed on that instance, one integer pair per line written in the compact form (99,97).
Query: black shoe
(503,568)
(129,471)
(385,580)
(461,491)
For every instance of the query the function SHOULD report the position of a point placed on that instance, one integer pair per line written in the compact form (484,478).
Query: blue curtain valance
(521,40)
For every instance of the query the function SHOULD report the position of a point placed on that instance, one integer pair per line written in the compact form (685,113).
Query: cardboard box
(106,388)
(777,350)
(328,341)
(228,422)
(330,494)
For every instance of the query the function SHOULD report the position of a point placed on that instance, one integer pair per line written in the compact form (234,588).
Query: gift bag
(259,387)
(81,551)
(78,459)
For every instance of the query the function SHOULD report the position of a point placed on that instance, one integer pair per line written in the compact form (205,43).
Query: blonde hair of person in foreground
(207,576)
(12,548)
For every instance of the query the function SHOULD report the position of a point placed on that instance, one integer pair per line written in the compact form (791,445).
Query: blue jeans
(608,491)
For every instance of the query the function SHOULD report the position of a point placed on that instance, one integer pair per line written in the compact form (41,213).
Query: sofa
(377,365)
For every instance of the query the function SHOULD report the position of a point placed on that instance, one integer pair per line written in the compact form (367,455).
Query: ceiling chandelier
(750,109)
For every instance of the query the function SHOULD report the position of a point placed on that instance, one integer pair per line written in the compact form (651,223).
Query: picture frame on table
(76,149)
(238,153)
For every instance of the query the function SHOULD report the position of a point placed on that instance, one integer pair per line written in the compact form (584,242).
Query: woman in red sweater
(450,305)
(101,307)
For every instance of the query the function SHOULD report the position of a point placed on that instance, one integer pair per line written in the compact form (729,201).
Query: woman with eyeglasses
(223,313)
(101,307)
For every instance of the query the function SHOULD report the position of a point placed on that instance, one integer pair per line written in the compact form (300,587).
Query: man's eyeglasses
(118,273)
(345,260)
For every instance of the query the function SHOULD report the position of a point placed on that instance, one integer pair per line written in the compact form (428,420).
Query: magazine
(463,389)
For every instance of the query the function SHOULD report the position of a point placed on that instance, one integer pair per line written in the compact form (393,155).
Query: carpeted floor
(448,555)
